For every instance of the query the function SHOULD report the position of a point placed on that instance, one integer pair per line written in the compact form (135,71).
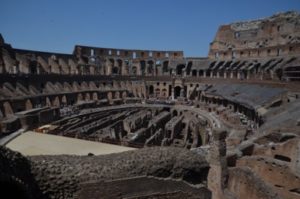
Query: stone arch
(28,105)
(117,95)
(143,66)
(194,73)
(59,86)
(92,85)
(8,111)
(151,90)
(179,69)
(157,92)
(33,67)
(150,67)
(64,100)
(115,70)
(87,97)
(110,64)
(48,102)
(177,91)
(84,86)
(201,73)
(122,84)
(79,97)
(67,87)
(119,63)
(76,86)
(124,94)
(189,67)
(56,102)
(164,93)
(165,66)
(109,96)
(95,96)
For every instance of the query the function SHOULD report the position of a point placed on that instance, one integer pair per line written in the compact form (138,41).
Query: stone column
(238,75)
(225,74)
(172,93)
(204,73)
(231,75)
(218,74)
(184,73)
(218,173)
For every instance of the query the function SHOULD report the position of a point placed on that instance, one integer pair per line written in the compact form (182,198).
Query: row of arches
(8,108)
(13,89)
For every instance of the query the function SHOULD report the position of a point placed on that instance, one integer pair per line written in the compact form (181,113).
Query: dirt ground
(31,143)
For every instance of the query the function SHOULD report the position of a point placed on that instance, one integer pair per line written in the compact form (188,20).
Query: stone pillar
(231,75)
(218,74)
(248,74)
(204,73)
(172,93)
(238,75)
(218,173)
(211,74)
(272,74)
(225,74)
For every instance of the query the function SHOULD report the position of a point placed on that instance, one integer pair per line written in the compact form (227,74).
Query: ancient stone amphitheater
(225,126)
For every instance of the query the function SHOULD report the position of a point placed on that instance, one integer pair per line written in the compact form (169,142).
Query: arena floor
(31,143)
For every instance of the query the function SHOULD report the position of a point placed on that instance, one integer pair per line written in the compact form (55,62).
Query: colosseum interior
(225,126)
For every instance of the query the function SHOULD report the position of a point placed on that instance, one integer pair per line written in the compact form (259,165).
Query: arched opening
(28,105)
(7,109)
(143,67)
(189,67)
(165,66)
(179,69)
(79,97)
(124,95)
(109,96)
(95,96)
(87,97)
(150,67)
(157,92)
(279,73)
(200,73)
(151,90)
(119,63)
(117,95)
(115,70)
(194,73)
(164,93)
(64,100)
(208,73)
(33,67)
(175,113)
(177,90)
(134,70)
(48,102)
(56,102)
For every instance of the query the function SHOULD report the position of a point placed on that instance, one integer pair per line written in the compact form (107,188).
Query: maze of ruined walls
(268,162)
(136,126)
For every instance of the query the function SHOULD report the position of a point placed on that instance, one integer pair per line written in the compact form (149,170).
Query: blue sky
(188,25)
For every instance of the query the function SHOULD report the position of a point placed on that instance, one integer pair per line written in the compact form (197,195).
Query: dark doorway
(179,69)
(151,90)
(115,70)
(177,91)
